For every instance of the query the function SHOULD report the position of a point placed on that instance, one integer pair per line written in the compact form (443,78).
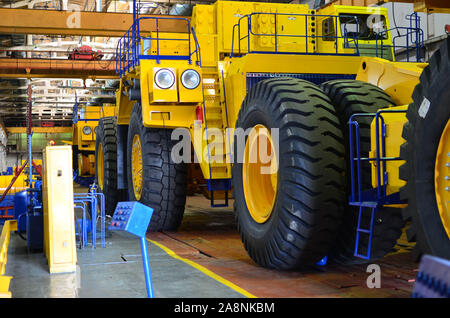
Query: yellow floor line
(204,270)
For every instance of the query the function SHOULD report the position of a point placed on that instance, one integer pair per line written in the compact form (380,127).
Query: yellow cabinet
(59,226)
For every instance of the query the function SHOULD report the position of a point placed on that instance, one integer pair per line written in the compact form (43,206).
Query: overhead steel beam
(52,22)
(23,130)
(57,68)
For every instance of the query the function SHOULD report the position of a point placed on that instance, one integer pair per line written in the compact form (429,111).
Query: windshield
(367,26)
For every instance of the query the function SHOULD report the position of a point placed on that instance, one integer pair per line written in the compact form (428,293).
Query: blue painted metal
(413,35)
(253,78)
(433,278)
(218,185)
(91,199)
(307,18)
(147,271)
(322,262)
(132,218)
(373,198)
(21,208)
(128,50)
(361,230)
(80,204)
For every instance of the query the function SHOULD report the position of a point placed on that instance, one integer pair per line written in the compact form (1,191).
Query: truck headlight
(164,78)
(190,79)
(87,130)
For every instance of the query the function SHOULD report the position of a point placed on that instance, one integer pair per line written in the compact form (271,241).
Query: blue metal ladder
(360,230)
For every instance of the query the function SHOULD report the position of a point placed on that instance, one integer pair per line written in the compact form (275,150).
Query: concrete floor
(208,239)
(114,271)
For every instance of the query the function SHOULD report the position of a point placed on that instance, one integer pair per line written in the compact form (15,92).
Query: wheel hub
(136,166)
(260,174)
(442,178)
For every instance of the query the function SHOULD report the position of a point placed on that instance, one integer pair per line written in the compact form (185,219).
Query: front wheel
(153,178)
(288,209)
(427,158)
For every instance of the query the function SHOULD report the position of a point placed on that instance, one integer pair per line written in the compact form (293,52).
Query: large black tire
(350,97)
(422,133)
(107,137)
(310,199)
(164,182)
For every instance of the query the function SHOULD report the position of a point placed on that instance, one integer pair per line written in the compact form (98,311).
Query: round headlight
(164,78)
(190,79)
(87,130)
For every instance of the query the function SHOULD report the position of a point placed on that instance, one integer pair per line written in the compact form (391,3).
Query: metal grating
(253,78)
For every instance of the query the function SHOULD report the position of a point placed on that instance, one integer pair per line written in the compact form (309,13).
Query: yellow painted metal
(394,126)
(170,108)
(86,142)
(397,79)
(237,69)
(19,185)
(366,47)
(260,174)
(442,178)
(136,166)
(86,164)
(53,22)
(57,194)
(40,130)
(429,6)
(100,166)
(88,116)
(8,226)
(176,107)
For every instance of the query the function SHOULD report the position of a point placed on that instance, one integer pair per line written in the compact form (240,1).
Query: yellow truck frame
(85,122)
(260,67)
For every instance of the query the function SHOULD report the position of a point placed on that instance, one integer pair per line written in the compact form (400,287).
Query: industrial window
(370,25)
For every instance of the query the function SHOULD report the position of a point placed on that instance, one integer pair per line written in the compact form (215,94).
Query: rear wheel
(351,97)
(153,178)
(106,162)
(427,155)
(288,208)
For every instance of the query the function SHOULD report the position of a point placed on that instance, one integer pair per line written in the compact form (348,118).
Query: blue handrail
(413,35)
(374,197)
(347,39)
(128,51)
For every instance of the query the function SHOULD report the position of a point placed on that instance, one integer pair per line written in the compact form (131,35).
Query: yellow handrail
(10,225)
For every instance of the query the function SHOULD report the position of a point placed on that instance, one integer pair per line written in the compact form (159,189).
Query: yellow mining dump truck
(85,121)
(300,113)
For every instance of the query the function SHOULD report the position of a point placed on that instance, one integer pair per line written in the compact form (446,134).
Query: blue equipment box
(433,279)
(131,217)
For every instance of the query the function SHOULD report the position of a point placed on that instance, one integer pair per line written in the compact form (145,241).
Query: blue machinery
(374,198)
(133,218)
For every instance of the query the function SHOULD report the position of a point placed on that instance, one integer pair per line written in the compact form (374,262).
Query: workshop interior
(224,149)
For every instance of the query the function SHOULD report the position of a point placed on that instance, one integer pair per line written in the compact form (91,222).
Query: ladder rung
(364,231)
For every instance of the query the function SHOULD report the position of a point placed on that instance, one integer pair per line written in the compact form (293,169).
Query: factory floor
(205,258)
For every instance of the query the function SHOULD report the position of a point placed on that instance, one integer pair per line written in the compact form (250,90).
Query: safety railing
(92,200)
(412,39)
(304,21)
(129,51)
(407,39)
(373,197)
